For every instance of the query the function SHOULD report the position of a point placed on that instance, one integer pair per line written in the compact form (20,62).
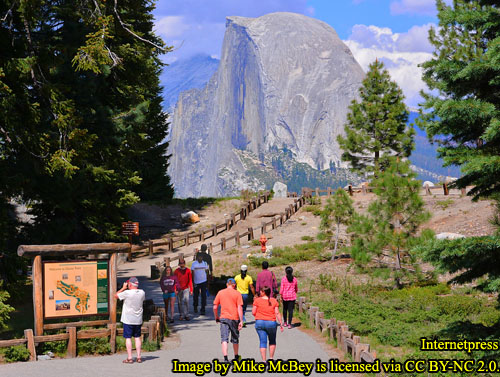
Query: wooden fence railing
(309,192)
(235,239)
(153,329)
(173,242)
(346,340)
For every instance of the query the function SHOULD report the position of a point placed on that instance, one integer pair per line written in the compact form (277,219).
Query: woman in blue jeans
(267,316)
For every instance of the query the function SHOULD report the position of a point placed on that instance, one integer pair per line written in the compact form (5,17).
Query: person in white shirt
(132,298)
(199,270)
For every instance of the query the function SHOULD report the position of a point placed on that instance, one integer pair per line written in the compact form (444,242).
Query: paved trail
(199,341)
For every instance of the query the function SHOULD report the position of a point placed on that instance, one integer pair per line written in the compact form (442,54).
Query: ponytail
(289,274)
(267,291)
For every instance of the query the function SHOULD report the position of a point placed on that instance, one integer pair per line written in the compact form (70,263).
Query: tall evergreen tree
(464,115)
(376,125)
(464,118)
(81,130)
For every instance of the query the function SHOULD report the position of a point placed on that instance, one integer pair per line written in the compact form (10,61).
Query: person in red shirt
(186,288)
(266,312)
(231,316)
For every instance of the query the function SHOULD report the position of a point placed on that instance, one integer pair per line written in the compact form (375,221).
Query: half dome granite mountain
(282,88)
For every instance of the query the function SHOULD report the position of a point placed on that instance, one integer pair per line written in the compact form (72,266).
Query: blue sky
(394,31)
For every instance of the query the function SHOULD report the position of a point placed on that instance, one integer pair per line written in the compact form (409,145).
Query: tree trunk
(336,241)
(398,268)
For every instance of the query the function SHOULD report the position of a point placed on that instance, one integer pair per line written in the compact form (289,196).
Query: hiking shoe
(244,324)
(202,311)
(237,358)
(186,318)
(196,310)
(290,326)
(171,320)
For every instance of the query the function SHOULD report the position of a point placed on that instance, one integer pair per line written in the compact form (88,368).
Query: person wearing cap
(231,316)
(200,269)
(206,257)
(186,288)
(244,283)
(132,298)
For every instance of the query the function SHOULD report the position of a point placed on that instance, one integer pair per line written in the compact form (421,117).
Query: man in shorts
(231,317)
(132,298)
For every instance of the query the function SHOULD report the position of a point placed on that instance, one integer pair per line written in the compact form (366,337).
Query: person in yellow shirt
(244,283)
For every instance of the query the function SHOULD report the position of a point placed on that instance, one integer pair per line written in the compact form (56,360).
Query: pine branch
(134,34)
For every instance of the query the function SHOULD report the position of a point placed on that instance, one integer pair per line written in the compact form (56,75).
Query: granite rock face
(284,83)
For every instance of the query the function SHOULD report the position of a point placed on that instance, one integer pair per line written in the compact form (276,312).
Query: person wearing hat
(244,283)
(231,316)
(132,298)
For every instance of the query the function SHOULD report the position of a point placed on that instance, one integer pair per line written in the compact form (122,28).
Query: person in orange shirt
(231,316)
(263,241)
(266,312)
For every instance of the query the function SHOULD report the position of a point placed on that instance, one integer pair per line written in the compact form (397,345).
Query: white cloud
(400,52)
(171,26)
(423,7)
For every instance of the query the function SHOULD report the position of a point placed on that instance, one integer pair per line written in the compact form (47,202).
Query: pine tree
(338,210)
(464,118)
(392,221)
(464,115)
(376,125)
(82,128)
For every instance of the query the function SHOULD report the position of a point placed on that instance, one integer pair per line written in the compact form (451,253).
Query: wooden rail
(173,242)
(427,190)
(334,329)
(153,329)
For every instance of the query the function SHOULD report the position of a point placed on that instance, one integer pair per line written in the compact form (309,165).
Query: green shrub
(58,347)
(288,255)
(306,238)
(150,346)
(17,353)
(314,209)
(94,346)
(444,203)
(255,243)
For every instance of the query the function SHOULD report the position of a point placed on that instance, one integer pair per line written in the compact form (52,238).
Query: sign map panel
(76,288)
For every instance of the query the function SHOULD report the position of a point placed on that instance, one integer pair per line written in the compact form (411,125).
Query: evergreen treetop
(376,124)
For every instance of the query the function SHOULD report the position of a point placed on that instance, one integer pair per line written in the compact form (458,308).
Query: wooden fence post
(329,191)
(186,239)
(202,236)
(250,233)
(30,343)
(351,193)
(282,214)
(312,316)
(233,219)
(171,243)
(427,190)
(228,224)
(262,227)
(317,192)
(71,342)
(150,247)
(242,214)
(237,235)
(301,304)
(112,336)
(318,317)
(274,223)
(214,230)
(210,248)
(223,244)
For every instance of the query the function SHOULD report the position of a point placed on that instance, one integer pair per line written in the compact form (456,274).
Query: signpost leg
(38,295)
(112,287)
(129,258)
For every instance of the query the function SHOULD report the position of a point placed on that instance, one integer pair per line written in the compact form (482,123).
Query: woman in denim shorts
(170,286)
(267,316)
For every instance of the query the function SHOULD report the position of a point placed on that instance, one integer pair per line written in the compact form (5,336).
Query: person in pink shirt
(288,292)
